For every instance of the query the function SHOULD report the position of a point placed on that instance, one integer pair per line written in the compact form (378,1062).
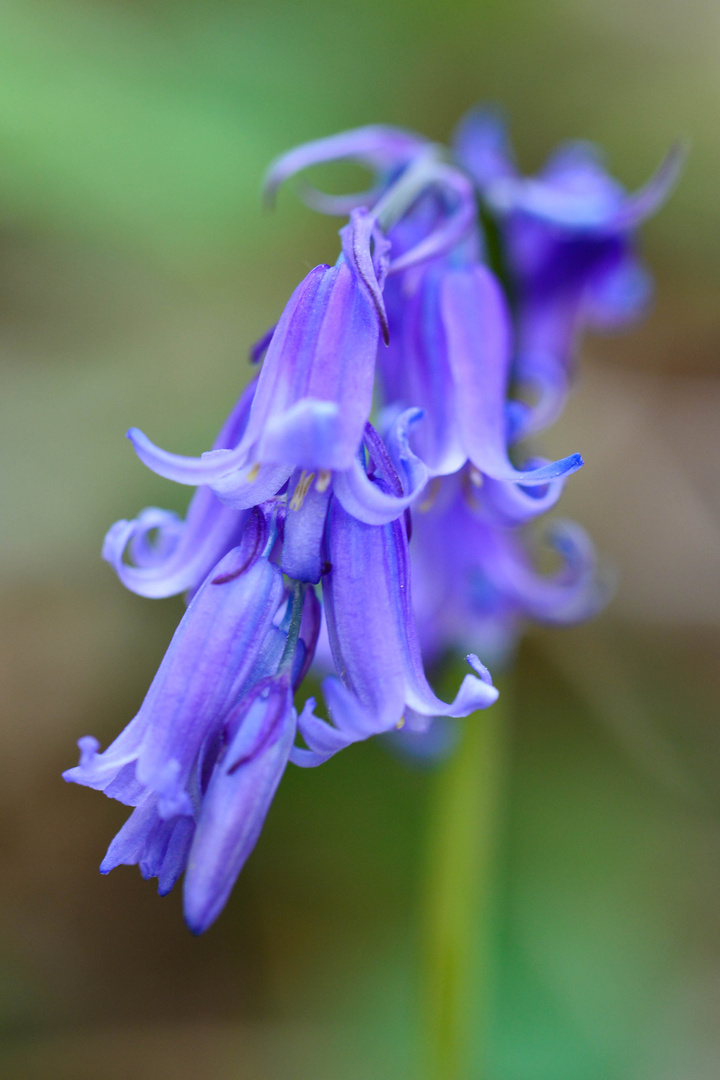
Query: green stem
(297,598)
(463,839)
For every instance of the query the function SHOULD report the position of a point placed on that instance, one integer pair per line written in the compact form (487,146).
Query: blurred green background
(136,267)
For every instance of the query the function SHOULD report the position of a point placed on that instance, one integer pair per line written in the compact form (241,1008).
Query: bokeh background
(136,267)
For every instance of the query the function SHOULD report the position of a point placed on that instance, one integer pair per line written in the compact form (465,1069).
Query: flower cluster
(393,396)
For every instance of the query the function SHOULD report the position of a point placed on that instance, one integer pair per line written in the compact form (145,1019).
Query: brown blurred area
(136,268)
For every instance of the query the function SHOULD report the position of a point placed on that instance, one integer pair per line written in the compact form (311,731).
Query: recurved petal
(478,337)
(476,691)
(250,486)
(454,226)
(645,202)
(575,193)
(212,465)
(368,501)
(350,723)
(378,146)
(172,556)
(194,471)
(572,593)
(367,250)
(512,504)
(114,766)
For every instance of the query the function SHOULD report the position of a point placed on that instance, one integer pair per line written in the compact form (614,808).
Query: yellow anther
(428,502)
(400,724)
(253,474)
(323,480)
(301,490)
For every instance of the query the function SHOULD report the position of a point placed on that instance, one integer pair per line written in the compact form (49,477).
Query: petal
(338,205)
(476,691)
(366,500)
(236,803)
(478,335)
(356,238)
(304,434)
(127,847)
(645,202)
(513,504)
(545,359)
(258,350)
(251,486)
(482,146)
(184,552)
(304,527)
(571,594)
(372,630)
(368,568)
(160,848)
(416,372)
(576,194)
(210,658)
(455,226)
(617,294)
(352,723)
(315,389)
(100,770)
(378,146)
(188,470)
(176,854)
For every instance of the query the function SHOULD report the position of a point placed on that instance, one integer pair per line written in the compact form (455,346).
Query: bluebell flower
(220,644)
(569,248)
(409,522)
(451,355)
(450,333)
(476,579)
(367,599)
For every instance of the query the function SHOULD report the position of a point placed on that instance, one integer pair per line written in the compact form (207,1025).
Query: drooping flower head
(384,401)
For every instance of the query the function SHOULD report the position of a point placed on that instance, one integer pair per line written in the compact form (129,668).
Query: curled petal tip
(378,146)
(479,668)
(645,202)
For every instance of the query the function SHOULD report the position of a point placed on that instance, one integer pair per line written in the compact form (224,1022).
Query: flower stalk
(464,835)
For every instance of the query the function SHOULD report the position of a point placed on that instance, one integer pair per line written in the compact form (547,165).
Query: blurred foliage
(136,267)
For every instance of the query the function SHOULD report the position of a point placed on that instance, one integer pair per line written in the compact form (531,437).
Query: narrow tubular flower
(371,625)
(213,653)
(477,578)
(409,521)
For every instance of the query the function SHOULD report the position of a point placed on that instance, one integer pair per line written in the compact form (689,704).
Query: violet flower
(476,579)
(569,248)
(302,491)
(451,355)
